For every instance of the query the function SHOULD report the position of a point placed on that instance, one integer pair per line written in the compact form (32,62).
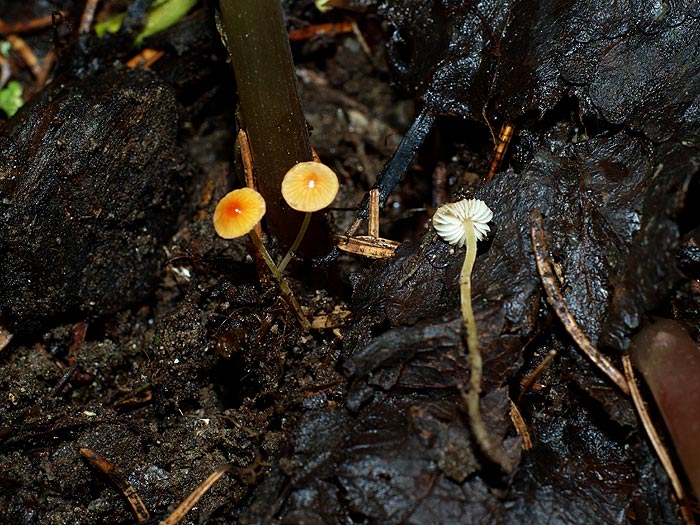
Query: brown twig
(46,66)
(190,501)
(556,300)
(500,148)
(109,470)
(530,380)
(373,224)
(5,71)
(248,173)
(88,16)
(439,185)
(36,24)
(145,59)
(520,427)
(656,441)
(25,53)
(362,41)
(5,338)
(308,32)
(249,176)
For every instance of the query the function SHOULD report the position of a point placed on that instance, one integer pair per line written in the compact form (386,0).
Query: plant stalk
(270,109)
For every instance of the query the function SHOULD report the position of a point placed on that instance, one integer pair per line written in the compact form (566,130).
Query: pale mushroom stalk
(483,437)
(277,274)
(297,242)
(464,223)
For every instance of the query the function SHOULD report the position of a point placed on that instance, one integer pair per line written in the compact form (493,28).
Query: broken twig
(556,299)
(499,150)
(116,477)
(520,427)
(527,382)
(190,501)
(656,441)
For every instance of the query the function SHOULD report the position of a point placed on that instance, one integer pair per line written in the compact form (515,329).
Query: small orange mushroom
(236,215)
(309,186)
(238,212)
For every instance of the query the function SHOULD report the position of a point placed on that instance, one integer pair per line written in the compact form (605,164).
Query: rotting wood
(371,245)
(556,300)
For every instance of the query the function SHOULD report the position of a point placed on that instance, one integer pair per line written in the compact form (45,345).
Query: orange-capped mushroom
(238,212)
(309,186)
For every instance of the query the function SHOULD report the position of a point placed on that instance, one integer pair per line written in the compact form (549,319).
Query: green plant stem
(484,439)
(284,286)
(296,243)
(270,112)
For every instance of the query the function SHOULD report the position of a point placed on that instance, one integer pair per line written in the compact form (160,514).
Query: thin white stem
(296,243)
(488,444)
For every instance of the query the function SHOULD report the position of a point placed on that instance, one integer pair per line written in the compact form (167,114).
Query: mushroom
(308,187)
(236,214)
(464,223)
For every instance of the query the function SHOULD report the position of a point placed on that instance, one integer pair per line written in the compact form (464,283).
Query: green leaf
(161,15)
(11,98)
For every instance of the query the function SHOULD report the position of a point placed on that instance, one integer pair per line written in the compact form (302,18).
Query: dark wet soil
(141,335)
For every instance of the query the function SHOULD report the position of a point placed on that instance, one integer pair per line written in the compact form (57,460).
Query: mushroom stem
(483,437)
(296,243)
(284,286)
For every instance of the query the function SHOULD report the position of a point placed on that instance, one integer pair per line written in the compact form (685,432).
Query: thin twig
(109,470)
(556,299)
(656,441)
(46,66)
(520,427)
(439,185)
(88,16)
(36,24)
(373,224)
(5,337)
(361,40)
(248,173)
(183,508)
(25,52)
(500,148)
(146,58)
(5,71)
(529,381)
(309,32)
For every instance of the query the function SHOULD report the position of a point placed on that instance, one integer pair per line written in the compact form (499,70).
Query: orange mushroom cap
(309,186)
(238,212)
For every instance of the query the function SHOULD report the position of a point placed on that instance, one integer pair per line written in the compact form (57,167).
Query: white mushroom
(464,223)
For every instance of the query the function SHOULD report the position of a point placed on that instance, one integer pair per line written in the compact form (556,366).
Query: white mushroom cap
(450,219)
